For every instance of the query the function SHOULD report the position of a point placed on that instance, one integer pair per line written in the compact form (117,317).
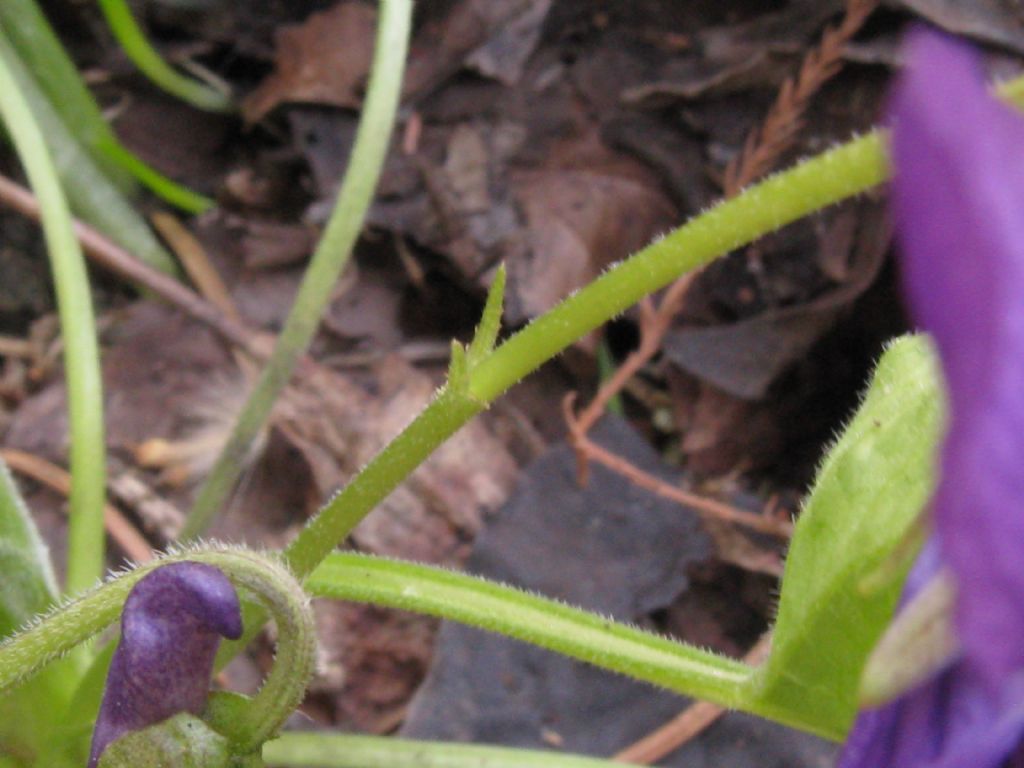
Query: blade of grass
(30,34)
(28,715)
(54,74)
(372,139)
(323,750)
(149,61)
(81,353)
(92,194)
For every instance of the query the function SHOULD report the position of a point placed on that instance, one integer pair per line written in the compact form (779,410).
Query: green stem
(81,353)
(285,686)
(779,200)
(445,414)
(372,140)
(323,750)
(533,619)
(149,61)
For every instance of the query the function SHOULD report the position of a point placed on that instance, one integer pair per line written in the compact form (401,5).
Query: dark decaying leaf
(611,548)
(746,357)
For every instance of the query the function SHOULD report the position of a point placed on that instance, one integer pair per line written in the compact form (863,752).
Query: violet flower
(170,629)
(958,202)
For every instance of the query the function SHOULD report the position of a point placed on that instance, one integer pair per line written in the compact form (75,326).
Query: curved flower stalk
(171,627)
(958,201)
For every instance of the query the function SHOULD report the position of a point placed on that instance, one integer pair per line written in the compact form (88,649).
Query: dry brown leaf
(324,60)
(579,221)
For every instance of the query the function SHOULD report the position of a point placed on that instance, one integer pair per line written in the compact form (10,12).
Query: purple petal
(958,200)
(170,629)
(952,721)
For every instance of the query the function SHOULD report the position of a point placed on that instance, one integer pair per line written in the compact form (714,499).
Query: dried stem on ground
(49,474)
(704,506)
(780,127)
(763,147)
(108,254)
(687,724)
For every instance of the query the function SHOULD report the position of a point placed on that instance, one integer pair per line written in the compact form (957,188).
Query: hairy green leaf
(870,490)
(29,588)
(29,584)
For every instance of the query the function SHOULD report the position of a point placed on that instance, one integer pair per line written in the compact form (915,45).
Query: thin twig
(687,724)
(49,474)
(204,277)
(107,254)
(193,258)
(704,506)
(11,346)
(778,131)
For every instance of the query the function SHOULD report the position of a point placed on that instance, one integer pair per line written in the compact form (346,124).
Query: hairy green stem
(372,140)
(779,200)
(534,619)
(261,575)
(285,686)
(322,750)
(149,61)
(81,352)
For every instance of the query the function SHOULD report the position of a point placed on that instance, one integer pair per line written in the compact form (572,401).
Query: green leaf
(29,589)
(148,60)
(29,583)
(183,741)
(869,492)
(458,369)
(92,195)
(490,321)
(32,37)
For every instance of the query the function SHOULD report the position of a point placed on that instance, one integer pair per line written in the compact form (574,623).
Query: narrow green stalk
(149,61)
(166,189)
(30,34)
(93,196)
(372,139)
(32,38)
(81,353)
(537,620)
(779,200)
(329,750)
(285,686)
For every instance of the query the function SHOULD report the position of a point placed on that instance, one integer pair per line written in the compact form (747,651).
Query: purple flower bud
(958,203)
(170,630)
